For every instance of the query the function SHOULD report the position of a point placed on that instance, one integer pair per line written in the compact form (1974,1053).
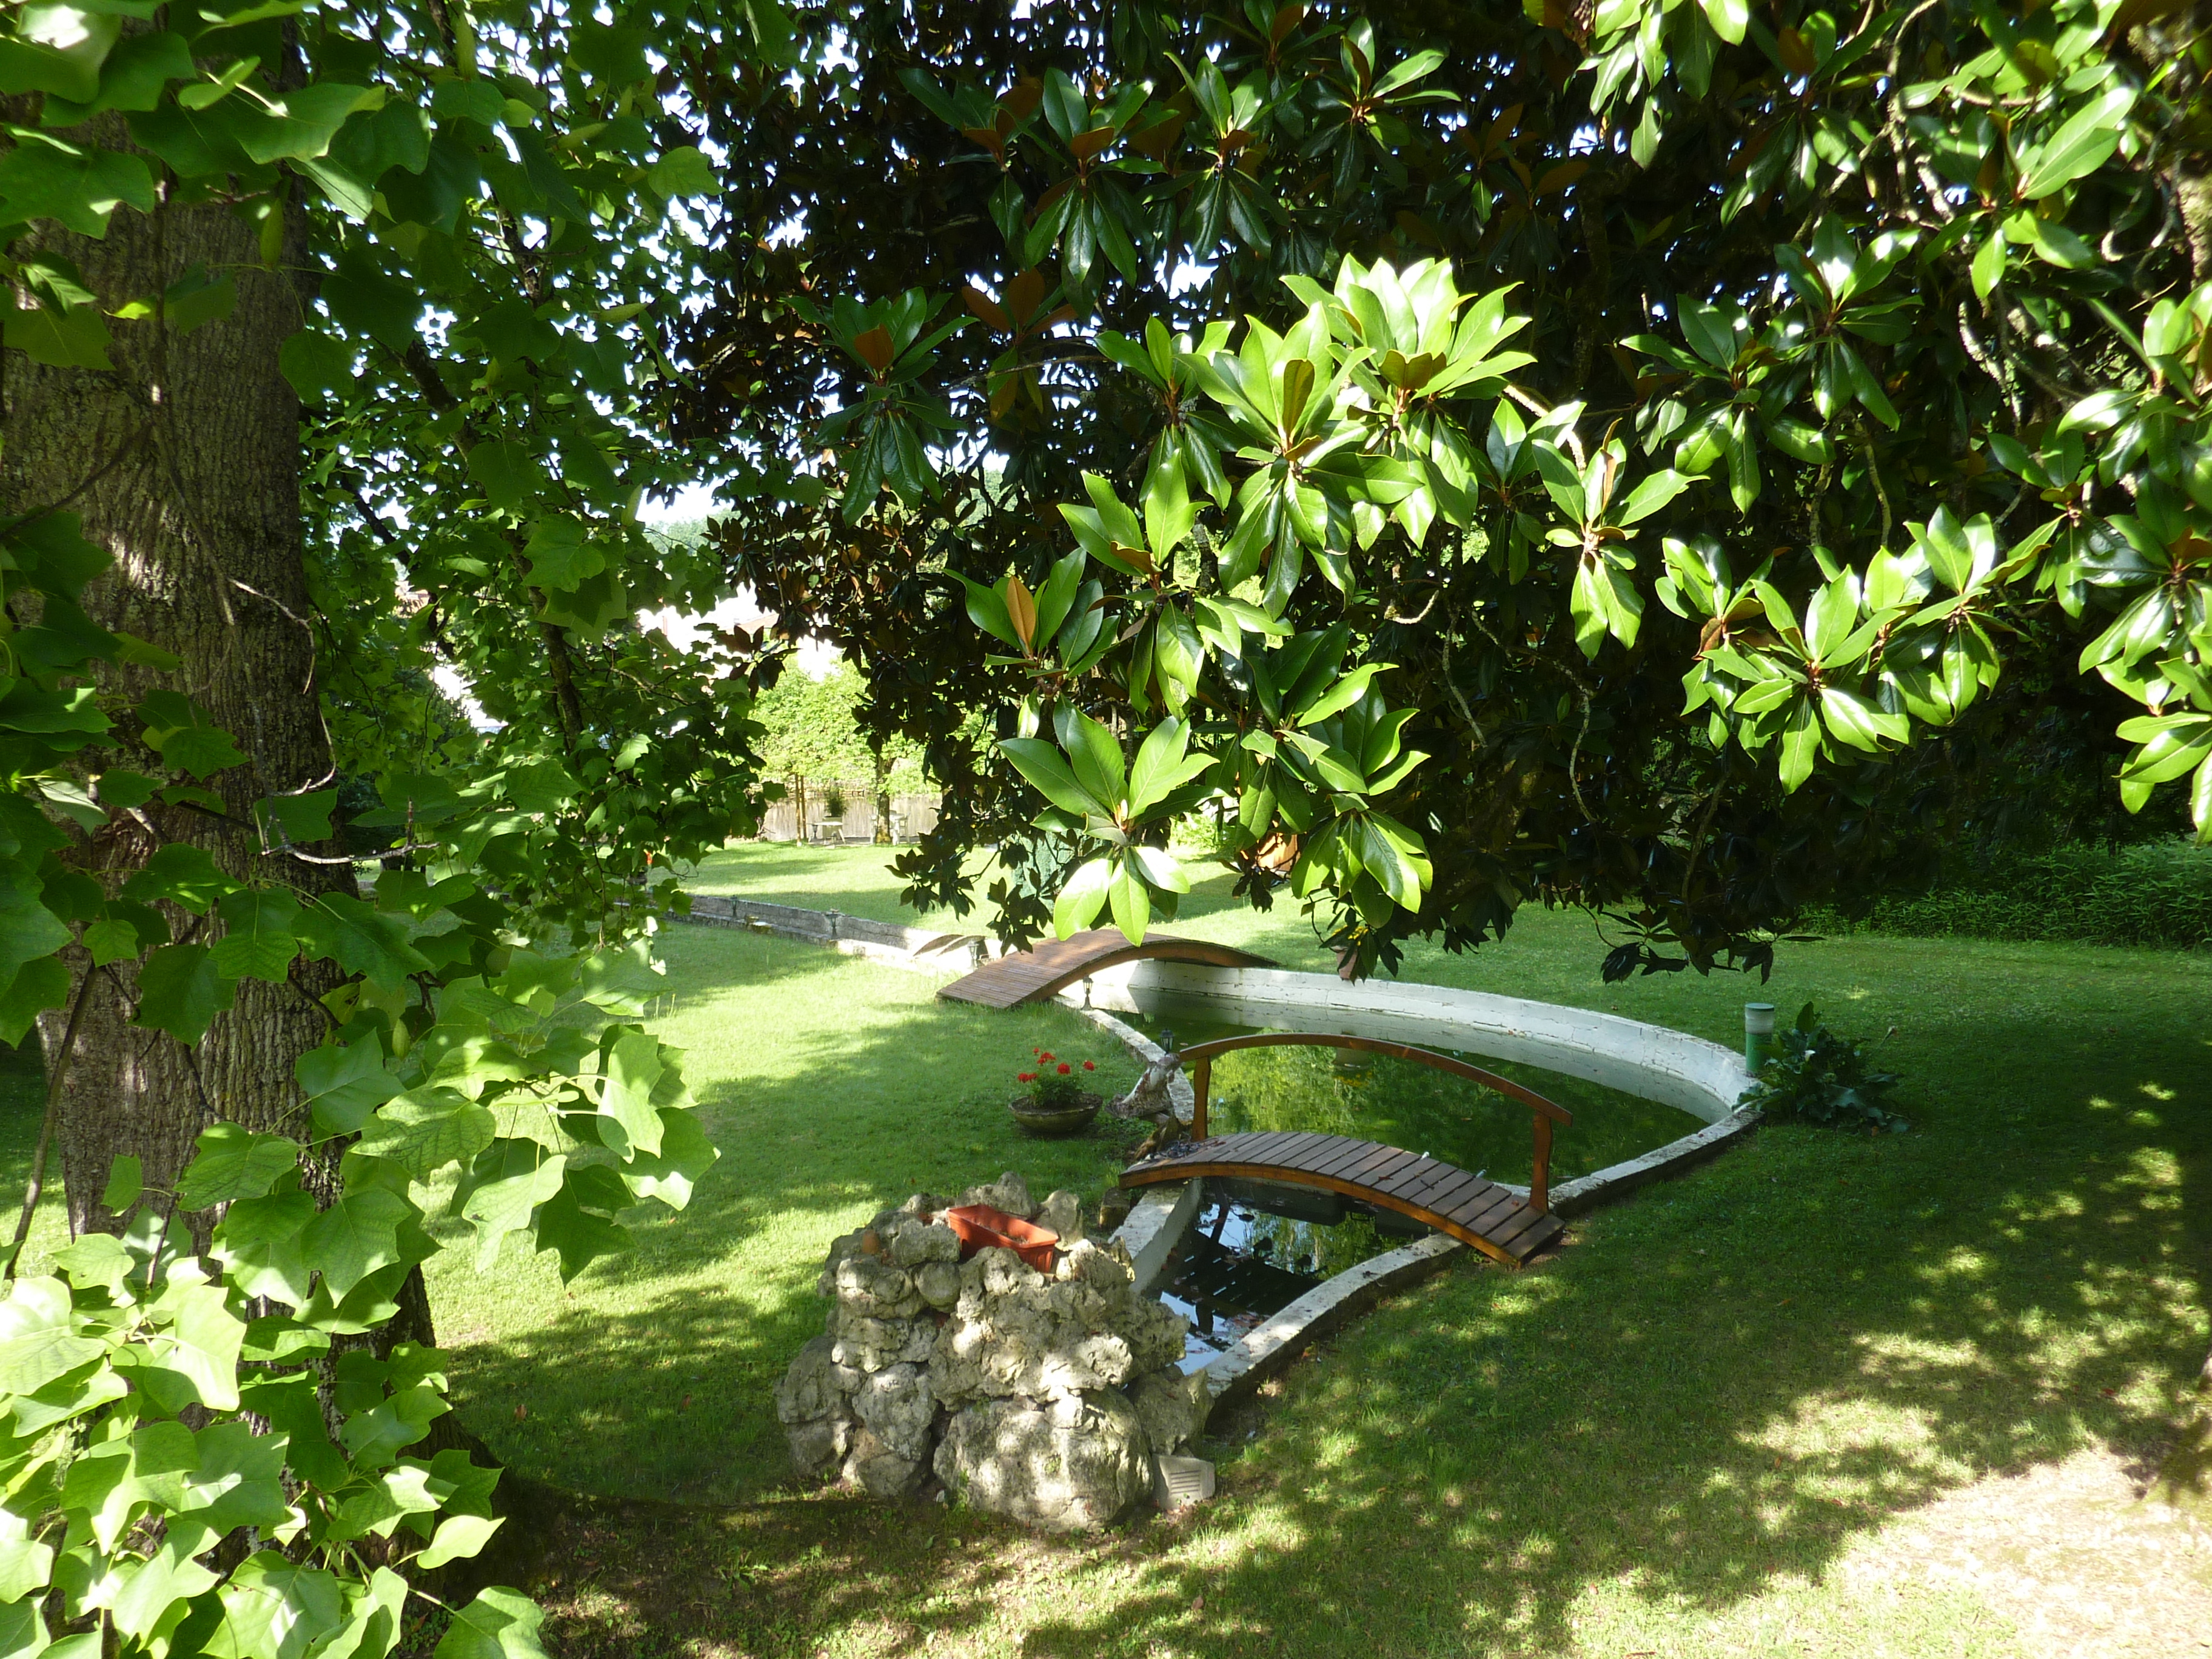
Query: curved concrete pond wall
(1701,1078)
(1648,1062)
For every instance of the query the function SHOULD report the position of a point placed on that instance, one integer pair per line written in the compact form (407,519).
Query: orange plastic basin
(980,1227)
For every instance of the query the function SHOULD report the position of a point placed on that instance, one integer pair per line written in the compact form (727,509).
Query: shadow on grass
(651,1374)
(1716,1392)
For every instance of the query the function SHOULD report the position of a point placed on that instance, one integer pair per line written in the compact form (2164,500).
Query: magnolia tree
(1682,459)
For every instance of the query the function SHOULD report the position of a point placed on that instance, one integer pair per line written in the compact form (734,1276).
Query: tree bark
(183,462)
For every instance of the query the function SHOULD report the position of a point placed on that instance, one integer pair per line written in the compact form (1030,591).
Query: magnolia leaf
(1081,899)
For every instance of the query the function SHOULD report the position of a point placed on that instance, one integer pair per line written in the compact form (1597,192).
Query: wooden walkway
(1499,1223)
(1034,974)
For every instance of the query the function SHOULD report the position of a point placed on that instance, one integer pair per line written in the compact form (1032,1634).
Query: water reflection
(1237,1265)
(1401,1103)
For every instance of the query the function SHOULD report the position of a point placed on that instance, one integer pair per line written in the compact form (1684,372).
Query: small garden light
(1758,1035)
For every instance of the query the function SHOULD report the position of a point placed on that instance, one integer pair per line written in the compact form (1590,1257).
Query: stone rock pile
(1044,1396)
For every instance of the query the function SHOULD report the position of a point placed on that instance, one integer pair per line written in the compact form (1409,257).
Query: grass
(1742,1413)
(1829,1395)
(833,1087)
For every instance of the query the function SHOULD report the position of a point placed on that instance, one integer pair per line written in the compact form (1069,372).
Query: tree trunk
(183,462)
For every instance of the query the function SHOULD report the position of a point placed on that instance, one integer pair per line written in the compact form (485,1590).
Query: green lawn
(1742,1413)
(1828,1395)
(832,1086)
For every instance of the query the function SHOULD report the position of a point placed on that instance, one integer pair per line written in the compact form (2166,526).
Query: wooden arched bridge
(1046,969)
(1500,1222)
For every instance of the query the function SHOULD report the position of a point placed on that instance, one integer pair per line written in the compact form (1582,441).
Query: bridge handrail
(1198,1059)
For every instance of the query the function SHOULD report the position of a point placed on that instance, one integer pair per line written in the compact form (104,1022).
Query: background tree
(1906,305)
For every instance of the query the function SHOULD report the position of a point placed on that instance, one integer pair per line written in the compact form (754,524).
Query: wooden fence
(803,813)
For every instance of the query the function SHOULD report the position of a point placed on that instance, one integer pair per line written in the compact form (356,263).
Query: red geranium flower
(1065,1068)
(1089,1065)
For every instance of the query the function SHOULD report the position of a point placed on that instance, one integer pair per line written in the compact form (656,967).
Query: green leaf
(1730,18)
(355,1236)
(318,365)
(150,1588)
(1162,768)
(503,1206)
(274,1607)
(366,300)
(562,1225)
(58,49)
(37,986)
(181,874)
(684,1157)
(302,819)
(459,1537)
(297,126)
(468,100)
(361,940)
(1047,773)
(500,1624)
(234,1162)
(77,339)
(203,1341)
(38,1343)
(181,992)
(560,556)
(258,943)
(1094,756)
(510,476)
(1131,904)
(79,188)
(1081,899)
(196,298)
(628,1118)
(112,940)
(426,1129)
(1801,744)
(682,172)
(28,929)
(177,730)
(126,1178)
(345,1085)
(2081,145)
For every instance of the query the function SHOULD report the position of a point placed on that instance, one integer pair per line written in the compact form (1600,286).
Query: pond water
(1236,1265)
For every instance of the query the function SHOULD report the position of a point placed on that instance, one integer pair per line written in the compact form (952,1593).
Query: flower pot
(980,1227)
(1037,1120)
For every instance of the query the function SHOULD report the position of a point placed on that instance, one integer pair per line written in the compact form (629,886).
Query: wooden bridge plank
(1496,1206)
(1046,968)
(1470,1207)
(1461,1188)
